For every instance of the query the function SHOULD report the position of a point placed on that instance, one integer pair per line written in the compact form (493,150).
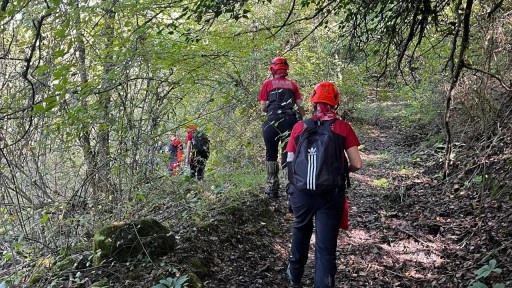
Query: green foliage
(487,269)
(382,182)
(173,282)
(479,179)
(484,272)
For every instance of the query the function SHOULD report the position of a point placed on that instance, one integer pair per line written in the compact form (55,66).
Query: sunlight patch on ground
(363,179)
(410,250)
(412,272)
(375,133)
(374,157)
(282,249)
(359,236)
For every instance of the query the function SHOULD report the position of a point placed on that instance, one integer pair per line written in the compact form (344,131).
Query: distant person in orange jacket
(175,150)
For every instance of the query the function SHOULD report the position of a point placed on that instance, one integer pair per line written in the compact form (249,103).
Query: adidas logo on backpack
(310,182)
(319,164)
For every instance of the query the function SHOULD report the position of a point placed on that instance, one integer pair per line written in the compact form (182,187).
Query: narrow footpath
(407,229)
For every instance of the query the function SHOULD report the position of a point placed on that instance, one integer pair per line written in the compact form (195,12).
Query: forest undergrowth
(407,229)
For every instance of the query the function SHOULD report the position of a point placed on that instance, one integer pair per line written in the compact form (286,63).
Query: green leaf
(478,284)
(382,182)
(50,106)
(44,219)
(492,263)
(60,33)
(182,280)
(483,272)
(478,179)
(166,282)
(38,108)
(498,285)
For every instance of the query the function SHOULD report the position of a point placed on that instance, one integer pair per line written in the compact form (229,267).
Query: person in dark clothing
(320,211)
(278,98)
(197,151)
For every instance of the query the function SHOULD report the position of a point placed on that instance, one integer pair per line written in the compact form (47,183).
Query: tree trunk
(85,132)
(104,175)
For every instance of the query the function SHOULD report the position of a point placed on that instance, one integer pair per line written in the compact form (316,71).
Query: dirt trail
(407,230)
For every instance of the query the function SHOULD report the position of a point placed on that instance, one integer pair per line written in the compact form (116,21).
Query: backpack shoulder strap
(308,122)
(330,122)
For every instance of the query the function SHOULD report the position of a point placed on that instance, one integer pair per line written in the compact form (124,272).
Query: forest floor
(407,229)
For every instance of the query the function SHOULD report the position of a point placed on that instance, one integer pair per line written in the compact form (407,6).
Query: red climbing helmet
(279,63)
(192,127)
(325,92)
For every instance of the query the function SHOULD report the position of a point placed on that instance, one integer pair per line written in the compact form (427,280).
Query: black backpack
(200,142)
(320,164)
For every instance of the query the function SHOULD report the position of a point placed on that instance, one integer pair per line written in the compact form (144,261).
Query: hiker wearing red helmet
(279,97)
(175,150)
(318,174)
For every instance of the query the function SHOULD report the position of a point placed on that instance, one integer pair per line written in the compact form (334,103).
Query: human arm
(300,107)
(263,96)
(291,147)
(354,159)
(187,152)
(188,146)
(351,144)
(263,106)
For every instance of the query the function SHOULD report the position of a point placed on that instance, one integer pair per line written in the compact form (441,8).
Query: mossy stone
(194,281)
(121,241)
(103,283)
(40,269)
(198,267)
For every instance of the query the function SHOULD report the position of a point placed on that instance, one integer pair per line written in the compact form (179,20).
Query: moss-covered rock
(103,283)
(40,269)
(194,281)
(121,241)
(198,267)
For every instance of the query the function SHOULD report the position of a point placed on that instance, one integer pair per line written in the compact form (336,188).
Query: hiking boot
(272,186)
(271,194)
(292,283)
(284,174)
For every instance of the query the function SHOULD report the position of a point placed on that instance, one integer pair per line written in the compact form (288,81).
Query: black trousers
(320,214)
(276,131)
(198,164)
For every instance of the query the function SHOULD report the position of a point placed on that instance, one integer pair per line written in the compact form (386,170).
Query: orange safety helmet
(325,92)
(279,63)
(192,127)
